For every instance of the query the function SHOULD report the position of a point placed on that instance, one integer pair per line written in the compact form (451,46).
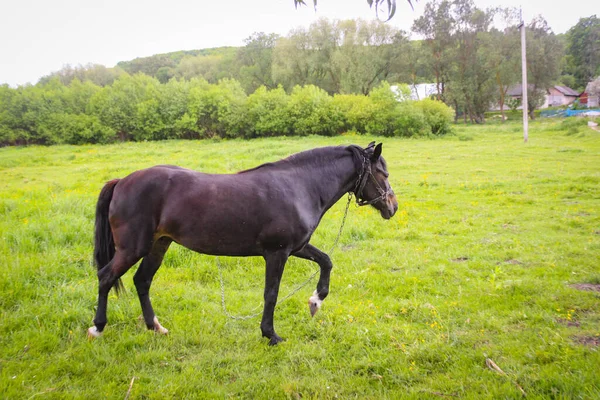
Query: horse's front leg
(310,252)
(275,262)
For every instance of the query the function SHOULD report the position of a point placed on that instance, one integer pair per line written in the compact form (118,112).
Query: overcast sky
(41,36)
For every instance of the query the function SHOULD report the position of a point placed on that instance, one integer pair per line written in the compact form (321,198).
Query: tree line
(354,56)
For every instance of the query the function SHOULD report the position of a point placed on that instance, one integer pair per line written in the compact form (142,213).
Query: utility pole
(524,81)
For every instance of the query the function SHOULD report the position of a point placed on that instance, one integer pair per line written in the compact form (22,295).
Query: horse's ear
(377,152)
(370,145)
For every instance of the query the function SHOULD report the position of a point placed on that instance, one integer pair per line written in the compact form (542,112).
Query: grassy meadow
(480,263)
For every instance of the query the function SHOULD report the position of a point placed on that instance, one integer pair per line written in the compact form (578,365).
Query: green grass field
(479,263)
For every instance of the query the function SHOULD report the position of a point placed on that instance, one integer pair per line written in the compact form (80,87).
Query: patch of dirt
(566,322)
(510,226)
(348,247)
(590,287)
(511,261)
(590,341)
(460,259)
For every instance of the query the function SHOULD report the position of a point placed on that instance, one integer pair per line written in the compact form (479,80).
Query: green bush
(309,110)
(141,108)
(147,121)
(80,129)
(10,136)
(438,115)
(353,112)
(118,106)
(219,110)
(410,121)
(385,111)
(172,107)
(267,112)
(407,118)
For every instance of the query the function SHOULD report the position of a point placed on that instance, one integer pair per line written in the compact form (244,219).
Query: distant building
(589,101)
(555,95)
(420,91)
(423,91)
(561,96)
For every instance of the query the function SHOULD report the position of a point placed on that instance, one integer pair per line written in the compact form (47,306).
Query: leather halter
(363,176)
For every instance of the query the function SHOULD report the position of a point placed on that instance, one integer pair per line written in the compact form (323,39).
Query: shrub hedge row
(140,108)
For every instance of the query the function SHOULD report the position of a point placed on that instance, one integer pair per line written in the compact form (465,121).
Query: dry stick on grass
(492,365)
(439,394)
(129,390)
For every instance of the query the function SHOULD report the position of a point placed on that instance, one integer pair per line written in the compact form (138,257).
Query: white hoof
(314,303)
(159,328)
(93,333)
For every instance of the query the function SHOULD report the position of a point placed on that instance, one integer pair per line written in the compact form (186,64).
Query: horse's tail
(104,243)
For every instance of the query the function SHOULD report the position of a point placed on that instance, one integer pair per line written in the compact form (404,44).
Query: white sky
(40,36)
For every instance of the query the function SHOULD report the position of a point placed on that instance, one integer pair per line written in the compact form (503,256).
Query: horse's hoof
(159,328)
(314,303)
(93,333)
(274,340)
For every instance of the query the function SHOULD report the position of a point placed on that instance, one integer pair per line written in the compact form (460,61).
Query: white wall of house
(556,98)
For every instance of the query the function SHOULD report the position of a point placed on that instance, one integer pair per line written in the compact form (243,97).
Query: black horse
(270,211)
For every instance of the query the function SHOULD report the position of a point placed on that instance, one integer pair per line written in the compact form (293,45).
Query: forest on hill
(470,54)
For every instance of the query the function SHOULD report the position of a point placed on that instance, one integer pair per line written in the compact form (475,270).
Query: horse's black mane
(314,157)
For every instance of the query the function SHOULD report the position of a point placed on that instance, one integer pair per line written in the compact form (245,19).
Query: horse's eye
(384,173)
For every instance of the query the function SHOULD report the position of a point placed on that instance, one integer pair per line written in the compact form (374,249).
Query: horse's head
(373,187)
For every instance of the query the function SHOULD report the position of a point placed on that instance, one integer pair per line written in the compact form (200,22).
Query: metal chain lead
(293,292)
(224,307)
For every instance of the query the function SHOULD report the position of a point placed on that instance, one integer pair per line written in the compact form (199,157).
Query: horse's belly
(219,247)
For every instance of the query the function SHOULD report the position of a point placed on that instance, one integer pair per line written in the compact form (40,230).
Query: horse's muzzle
(389,207)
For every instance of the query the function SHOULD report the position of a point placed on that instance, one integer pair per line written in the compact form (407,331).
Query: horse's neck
(334,180)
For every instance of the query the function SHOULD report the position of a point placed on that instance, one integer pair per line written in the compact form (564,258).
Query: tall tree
(291,59)
(583,49)
(96,73)
(255,61)
(471,83)
(544,51)
(306,57)
(503,55)
(148,65)
(371,52)
(324,43)
(436,26)
(416,68)
(210,67)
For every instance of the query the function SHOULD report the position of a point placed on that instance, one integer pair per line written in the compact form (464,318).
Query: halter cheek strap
(364,175)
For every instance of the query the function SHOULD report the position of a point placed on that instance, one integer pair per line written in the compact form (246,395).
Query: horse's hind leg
(310,252)
(143,280)
(107,278)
